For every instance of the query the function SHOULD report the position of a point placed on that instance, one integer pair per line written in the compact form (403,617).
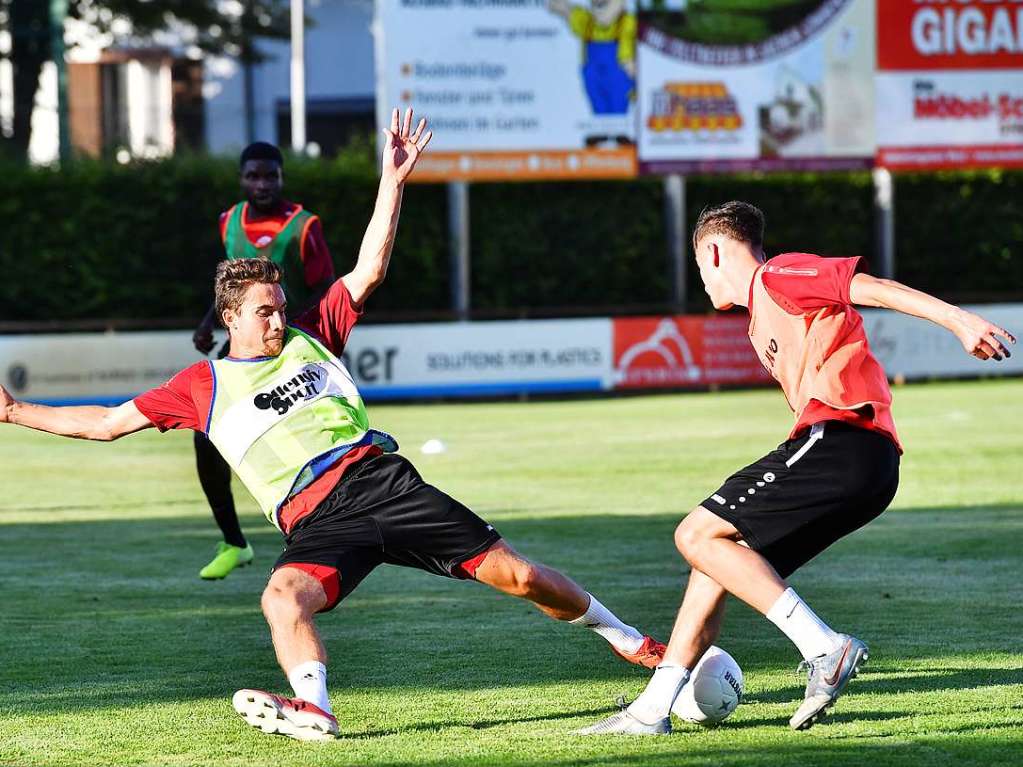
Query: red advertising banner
(949,34)
(673,352)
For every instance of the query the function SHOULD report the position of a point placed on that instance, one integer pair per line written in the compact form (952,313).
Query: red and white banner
(673,352)
(493,359)
(949,86)
(949,34)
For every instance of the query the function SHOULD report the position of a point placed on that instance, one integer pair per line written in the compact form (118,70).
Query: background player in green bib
(264,225)
(285,413)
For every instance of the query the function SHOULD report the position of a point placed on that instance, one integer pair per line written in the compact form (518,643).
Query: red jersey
(810,338)
(185,401)
(316,260)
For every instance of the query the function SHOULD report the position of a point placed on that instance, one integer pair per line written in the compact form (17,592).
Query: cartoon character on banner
(607,30)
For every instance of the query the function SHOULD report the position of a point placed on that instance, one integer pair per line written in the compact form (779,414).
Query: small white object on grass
(433,447)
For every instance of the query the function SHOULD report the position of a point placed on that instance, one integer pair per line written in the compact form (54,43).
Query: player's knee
(281,603)
(688,540)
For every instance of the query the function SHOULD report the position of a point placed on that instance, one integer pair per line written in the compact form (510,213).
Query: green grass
(112,651)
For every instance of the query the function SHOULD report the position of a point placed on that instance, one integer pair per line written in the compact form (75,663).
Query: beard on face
(273,346)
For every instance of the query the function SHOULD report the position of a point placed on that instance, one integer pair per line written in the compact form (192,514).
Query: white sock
(656,700)
(309,681)
(602,621)
(809,633)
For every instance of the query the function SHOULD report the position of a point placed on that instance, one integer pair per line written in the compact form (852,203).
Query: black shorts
(799,499)
(382,512)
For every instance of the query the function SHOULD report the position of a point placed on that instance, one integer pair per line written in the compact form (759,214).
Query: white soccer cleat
(277,715)
(826,680)
(625,723)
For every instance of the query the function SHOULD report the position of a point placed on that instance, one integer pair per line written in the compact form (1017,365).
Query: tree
(214,26)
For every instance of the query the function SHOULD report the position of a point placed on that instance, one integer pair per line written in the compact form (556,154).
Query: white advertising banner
(481,358)
(927,109)
(387,361)
(92,368)
(912,348)
(514,89)
(726,88)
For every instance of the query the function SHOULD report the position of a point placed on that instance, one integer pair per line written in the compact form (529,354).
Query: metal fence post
(458,230)
(884,222)
(675,224)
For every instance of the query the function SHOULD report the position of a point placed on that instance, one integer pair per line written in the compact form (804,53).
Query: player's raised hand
(402,146)
(980,338)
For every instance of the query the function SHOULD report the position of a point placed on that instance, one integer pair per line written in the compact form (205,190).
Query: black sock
(215,478)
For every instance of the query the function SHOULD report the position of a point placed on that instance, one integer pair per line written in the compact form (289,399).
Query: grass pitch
(114,652)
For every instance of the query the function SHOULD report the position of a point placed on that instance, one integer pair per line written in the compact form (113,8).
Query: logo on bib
(309,382)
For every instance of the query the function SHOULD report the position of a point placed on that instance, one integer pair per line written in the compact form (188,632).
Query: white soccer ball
(713,691)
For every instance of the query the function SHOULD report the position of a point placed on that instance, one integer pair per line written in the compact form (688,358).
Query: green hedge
(100,241)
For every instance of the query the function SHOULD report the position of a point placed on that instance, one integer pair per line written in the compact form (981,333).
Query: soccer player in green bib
(286,415)
(263,226)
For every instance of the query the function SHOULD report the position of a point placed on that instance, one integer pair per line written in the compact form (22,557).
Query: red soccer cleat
(277,715)
(649,654)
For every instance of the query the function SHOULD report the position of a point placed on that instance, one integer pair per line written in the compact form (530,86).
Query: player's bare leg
(712,545)
(698,622)
(290,600)
(563,599)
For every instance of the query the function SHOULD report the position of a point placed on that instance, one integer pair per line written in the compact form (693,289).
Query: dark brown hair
(739,220)
(234,277)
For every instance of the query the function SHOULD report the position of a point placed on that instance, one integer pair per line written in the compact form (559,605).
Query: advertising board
(674,352)
(949,84)
(515,89)
(777,85)
(494,359)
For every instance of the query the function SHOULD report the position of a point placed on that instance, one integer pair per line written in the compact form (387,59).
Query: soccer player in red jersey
(263,226)
(838,469)
(287,416)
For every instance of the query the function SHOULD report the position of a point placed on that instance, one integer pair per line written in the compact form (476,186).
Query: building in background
(244,104)
(146,102)
(151,100)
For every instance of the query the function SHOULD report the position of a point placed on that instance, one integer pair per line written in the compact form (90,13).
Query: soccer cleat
(228,558)
(624,723)
(649,654)
(826,679)
(277,715)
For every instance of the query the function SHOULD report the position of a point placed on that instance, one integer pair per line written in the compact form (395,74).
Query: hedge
(99,241)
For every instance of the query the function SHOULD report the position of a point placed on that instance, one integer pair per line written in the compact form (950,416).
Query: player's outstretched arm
(402,148)
(978,336)
(81,422)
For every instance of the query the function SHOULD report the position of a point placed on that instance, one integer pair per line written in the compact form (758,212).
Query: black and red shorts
(382,512)
(812,490)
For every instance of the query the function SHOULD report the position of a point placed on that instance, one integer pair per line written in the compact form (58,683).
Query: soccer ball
(713,691)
